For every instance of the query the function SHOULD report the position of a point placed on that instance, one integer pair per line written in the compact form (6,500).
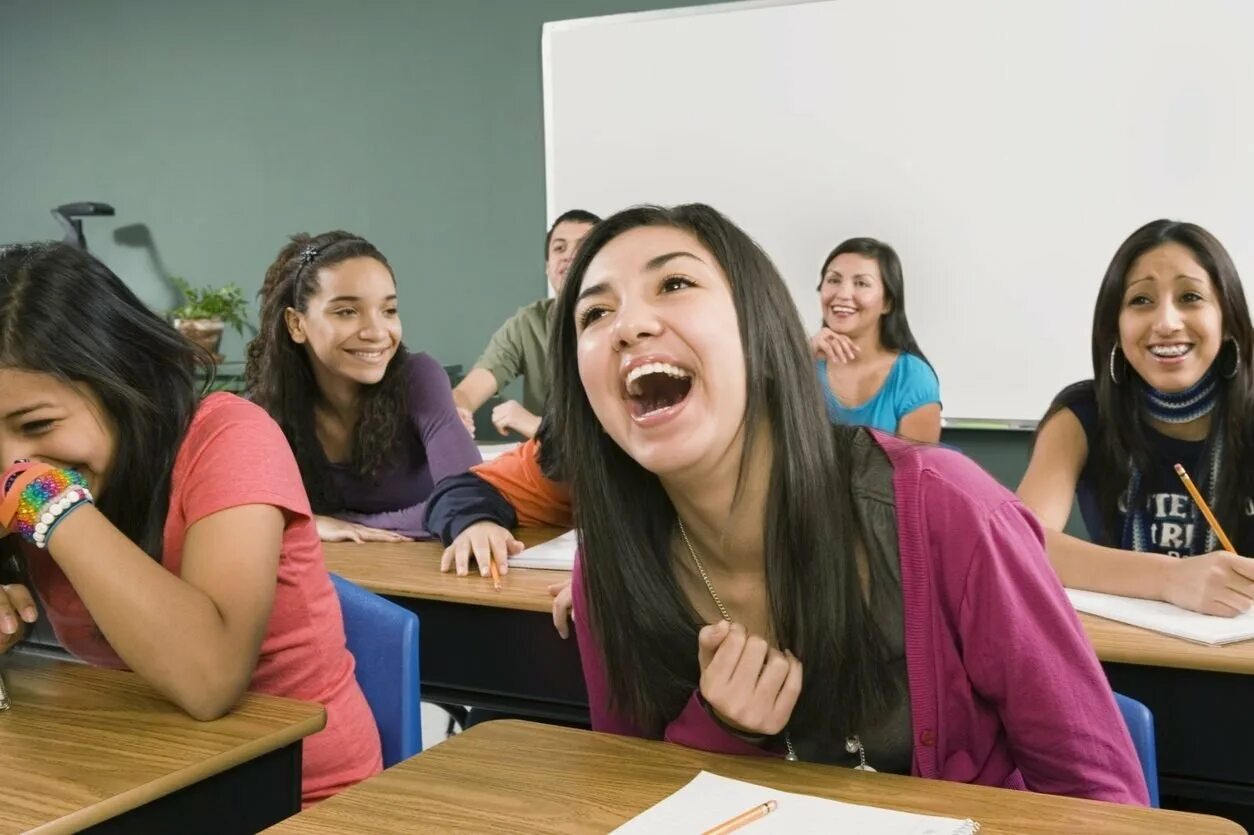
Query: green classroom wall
(216,129)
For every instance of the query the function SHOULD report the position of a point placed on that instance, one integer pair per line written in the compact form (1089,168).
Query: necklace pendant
(853,745)
(791,756)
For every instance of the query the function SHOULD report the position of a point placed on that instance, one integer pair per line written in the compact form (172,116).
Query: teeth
(653,368)
(843,310)
(1169,350)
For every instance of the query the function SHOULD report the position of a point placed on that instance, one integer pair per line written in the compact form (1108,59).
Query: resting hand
(834,347)
(751,686)
(563,607)
(511,415)
(17,608)
(1218,583)
(467,419)
(331,529)
(486,541)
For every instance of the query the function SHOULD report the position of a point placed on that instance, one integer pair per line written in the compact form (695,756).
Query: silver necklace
(853,744)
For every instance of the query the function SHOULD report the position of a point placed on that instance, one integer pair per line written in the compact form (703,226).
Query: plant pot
(207,333)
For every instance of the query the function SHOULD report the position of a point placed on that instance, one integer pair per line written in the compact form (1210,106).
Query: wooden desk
(412,570)
(1122,643)
(518,777)
(1200,696)
(86,747)
(484,648)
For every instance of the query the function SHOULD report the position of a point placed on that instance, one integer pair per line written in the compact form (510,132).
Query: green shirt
(521,348)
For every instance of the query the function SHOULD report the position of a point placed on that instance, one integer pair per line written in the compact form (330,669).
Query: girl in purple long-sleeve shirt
(373,427)
(755,581)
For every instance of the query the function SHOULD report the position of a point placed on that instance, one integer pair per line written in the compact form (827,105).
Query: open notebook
(709,800)
(558,554)
(1163,617)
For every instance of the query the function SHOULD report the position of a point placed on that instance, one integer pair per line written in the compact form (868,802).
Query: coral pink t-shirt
(234,455)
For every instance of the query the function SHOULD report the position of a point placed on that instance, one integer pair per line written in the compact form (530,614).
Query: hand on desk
(486,541)
(563,607)
(17,608)
(1218,583)
(331,529)
(751,686)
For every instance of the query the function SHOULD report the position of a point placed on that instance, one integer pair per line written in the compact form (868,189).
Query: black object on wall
(68,216)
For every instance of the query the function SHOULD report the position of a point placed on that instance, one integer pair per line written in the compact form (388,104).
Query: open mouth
(656,388)
(368,356)
(1170,352)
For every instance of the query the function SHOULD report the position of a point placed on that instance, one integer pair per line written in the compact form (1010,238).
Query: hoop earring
(1113,349)
(1236,361)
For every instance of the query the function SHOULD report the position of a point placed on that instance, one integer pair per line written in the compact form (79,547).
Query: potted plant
(206,311)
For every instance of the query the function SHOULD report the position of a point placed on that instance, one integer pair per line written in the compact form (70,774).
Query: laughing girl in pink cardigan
(756,581)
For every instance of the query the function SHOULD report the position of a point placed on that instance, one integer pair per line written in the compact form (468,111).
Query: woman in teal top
(868,363)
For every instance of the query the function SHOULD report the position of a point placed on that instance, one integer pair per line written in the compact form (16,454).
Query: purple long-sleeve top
(438,446)
(1004,687)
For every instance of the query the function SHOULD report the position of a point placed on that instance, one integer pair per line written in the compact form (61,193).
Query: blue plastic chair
(383,639)
(1140,722)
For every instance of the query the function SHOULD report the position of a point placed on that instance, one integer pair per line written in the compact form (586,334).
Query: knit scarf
(1179,407)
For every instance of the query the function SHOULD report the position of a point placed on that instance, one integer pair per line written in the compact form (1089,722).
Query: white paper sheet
(556,554)
(1163,617)
(709,800)
(489,451)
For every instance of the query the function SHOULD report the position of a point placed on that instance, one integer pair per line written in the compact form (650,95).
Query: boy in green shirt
(520,346)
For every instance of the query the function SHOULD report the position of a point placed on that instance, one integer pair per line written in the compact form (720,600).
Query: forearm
(407,521)
(1083,565)
(475,389)
(527,424)
(163,628)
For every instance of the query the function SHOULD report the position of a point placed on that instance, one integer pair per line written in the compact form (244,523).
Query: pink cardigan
(1004,687)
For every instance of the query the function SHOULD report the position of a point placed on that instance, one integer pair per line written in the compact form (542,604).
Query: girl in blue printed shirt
(869,366)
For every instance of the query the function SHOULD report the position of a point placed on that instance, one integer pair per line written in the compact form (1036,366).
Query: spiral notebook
(1163,617)
(709,800)
(556,554)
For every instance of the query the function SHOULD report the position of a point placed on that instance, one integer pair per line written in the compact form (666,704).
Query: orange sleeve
(537,501)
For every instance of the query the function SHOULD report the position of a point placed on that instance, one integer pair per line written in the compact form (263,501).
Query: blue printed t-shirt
(1173,530)
(910,383)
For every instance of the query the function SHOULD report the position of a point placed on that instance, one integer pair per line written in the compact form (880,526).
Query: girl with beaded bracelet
(162,532)
(1172,384)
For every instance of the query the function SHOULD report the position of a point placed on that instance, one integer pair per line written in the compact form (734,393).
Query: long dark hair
(64,313)
(280,379)
(637,611)
(895,333)
(1123,422)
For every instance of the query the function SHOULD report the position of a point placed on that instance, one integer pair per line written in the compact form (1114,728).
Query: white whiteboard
(1004,148)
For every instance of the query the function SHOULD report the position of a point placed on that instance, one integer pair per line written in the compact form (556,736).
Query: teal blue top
(911,383)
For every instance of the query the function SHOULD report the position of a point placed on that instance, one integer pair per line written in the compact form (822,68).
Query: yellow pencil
(496,574)
(743,819)
(1205,508)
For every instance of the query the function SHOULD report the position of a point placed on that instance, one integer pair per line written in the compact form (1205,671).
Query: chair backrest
(1140,724)
(383,639)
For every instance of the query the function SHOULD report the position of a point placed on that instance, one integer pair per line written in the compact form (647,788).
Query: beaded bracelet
(47,495)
